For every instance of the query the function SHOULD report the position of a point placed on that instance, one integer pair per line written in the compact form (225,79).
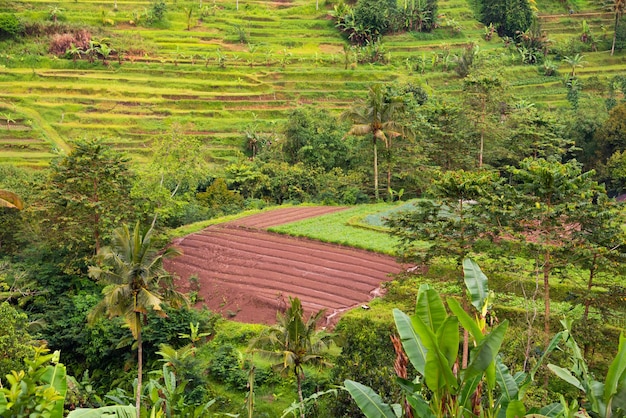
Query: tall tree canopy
(314,137)
(87,195)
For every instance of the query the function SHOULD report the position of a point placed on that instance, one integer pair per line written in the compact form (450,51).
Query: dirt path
(247,273)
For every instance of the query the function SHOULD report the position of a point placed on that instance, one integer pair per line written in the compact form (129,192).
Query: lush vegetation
(484,129)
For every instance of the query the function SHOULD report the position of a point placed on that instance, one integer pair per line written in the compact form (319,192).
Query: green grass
(345,228)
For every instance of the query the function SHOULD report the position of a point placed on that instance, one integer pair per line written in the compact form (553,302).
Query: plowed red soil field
(247,274)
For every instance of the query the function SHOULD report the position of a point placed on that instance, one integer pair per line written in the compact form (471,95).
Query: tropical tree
(574,62)
(447,137)
(55,12)
(533,132)
(547,203)
(86,194)
(294,342)
(179,162)
(9,119)
(483,90)
(314,137)
(618,10)
(189,15)
(452,223)
(510,17)
(135,283)
(611,136)
(105,51)
(597,244)
(376,116)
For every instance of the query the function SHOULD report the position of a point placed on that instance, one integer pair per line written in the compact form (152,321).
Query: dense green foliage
(510,17)
(211,109)
(364,343)
(10,25)
(15,342)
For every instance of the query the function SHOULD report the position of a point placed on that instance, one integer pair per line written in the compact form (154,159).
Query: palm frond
(10,200)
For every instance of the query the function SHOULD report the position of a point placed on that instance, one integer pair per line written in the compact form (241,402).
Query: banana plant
(603,399)
(430,338)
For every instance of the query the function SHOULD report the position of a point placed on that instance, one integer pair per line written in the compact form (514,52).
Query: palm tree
(55,12)
(294,342)
(10,200)
(9,119)
(575,61)
(376,115)
(135,282)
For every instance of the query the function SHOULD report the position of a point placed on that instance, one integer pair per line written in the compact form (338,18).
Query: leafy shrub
(157,11)
(465,61)
(376,15)
(10,26)
(368,21)
(339,187)
(288,183)
(167,330)
(14,340)
(367,356)
(191,212)
(217,196)
(510,17)
(228,367)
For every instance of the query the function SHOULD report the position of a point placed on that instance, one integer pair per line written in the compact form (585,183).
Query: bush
(157,11)
(367,356)
(217,196)
(375,15)
(227,367)
(10,26)
(14,340)
(510,17)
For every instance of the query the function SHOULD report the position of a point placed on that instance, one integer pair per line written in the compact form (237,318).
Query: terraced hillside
(235,66)
(248,274)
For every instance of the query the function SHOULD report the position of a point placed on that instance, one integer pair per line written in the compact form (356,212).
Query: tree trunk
(139,365)
(592,271)
(615,32)
(546,296)
(482,134)
(299,382)
(389,195)
(96,227)
(375,170)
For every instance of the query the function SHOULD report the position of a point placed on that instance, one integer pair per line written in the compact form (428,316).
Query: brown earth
(247,273)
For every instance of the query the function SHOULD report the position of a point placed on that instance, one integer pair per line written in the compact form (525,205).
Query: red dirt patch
(247,274)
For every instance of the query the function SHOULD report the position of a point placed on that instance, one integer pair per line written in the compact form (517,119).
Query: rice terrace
(313,208)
